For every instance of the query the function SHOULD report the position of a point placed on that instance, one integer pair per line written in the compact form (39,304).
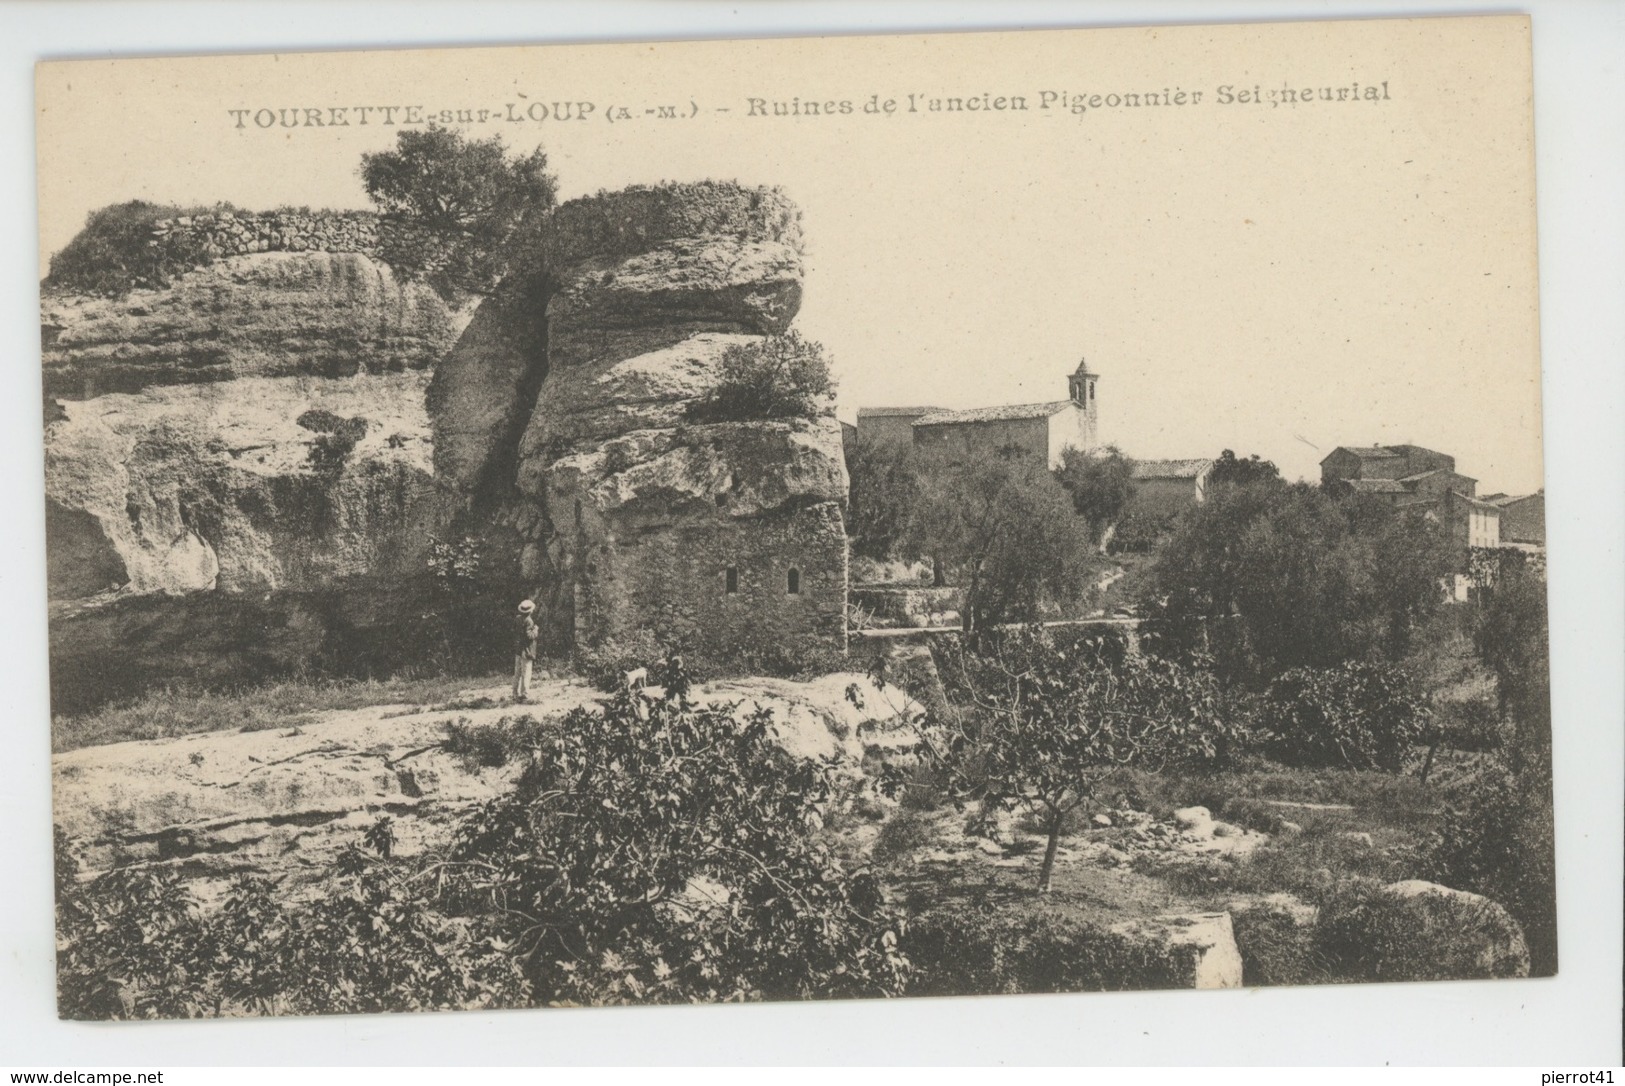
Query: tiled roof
(893,412)
(1006,413)
(1170,469)
(1377,486)
(1508,499)
(1365,452)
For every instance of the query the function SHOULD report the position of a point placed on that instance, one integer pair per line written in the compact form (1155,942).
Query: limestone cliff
(271,314)
(200,523)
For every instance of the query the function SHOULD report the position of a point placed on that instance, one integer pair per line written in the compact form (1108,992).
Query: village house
(1411,477)
(1523,517)
(1163,487)
(1043,430)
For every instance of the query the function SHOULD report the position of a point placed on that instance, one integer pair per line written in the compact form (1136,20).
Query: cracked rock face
(198,487)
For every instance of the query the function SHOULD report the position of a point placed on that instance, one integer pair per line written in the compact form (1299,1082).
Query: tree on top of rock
(778,377)
(460,198)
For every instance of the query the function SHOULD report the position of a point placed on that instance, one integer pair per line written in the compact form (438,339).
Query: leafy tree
(1005,530)
(1272,576)
(1231,470)
(884,498)
(1101,483)
(778,377)
(1512,639)
(1049,722)
(1358,715)
(659,851)
(459,200)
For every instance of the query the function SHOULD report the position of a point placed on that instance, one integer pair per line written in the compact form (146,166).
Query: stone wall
(226,233)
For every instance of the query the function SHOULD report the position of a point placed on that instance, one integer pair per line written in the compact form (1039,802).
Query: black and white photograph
(787,520)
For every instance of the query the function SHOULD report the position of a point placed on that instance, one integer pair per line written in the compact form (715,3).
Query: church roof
(1170,469)
(893,412)
(1006,413)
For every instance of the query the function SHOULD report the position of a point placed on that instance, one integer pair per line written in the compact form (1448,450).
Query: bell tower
(1081,386)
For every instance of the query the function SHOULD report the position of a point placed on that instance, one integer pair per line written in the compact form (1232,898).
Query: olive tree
(1046,721)
(457,201)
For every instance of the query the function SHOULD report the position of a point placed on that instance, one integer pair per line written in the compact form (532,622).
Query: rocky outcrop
(1216,962)
(271,314)
(285,800)
(199,487)
(624,514)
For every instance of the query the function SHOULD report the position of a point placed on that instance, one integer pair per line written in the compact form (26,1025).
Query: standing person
(524,648)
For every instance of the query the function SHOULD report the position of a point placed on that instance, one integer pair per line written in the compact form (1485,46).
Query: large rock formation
(188,453)
(261,443)
(625,515)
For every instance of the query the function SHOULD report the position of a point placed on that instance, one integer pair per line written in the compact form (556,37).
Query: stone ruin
(191,537)
(561,419)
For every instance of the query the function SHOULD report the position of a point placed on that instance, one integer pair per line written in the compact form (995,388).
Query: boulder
(1419,930)
(1197,821)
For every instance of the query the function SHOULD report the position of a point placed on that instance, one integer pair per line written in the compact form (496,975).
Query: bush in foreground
(981,949)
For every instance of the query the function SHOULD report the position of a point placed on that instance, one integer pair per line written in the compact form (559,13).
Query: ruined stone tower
(563,418)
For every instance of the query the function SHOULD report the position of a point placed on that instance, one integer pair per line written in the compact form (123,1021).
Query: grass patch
(179,710)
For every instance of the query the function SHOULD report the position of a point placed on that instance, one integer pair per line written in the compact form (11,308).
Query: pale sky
(1272,279)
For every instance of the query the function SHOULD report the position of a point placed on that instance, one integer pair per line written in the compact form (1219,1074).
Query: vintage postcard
(795,519)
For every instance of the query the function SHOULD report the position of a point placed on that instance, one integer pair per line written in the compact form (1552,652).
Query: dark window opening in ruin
(731,580)
(795,582)
(1091,392)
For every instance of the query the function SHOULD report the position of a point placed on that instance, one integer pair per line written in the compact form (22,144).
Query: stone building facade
(1041,430)
(1411,477)
(1164,487)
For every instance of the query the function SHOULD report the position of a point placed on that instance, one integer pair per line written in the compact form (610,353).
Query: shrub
(1357,715)
(902,834)
(336,438)
(490,746)
(982,949)
(1276,947)
(1497,838)
(113,254)
(620,819)
(1367,933)
(778,377)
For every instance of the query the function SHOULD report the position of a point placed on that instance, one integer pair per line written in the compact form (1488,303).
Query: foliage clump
(1277,576)
(785,376)
(335,440)
(1357,715)
(1100,483)
(114,253)
(984,949)
(459,201)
